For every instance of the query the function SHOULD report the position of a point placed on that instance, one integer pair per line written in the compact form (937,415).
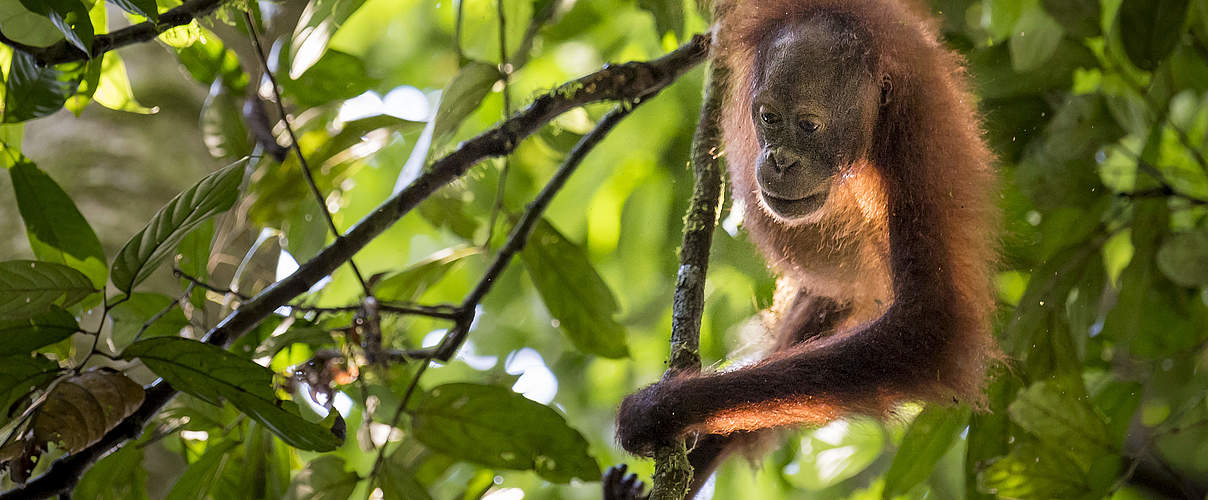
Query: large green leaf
(57,231)
(34,90)
(1034,39)
(24,26)
(25,336)
(835,453)
(1150,29)
(928,438)
(576,295)
(69,16)
(223,129)
(119,476)
(324,478)
(496,427)
(212,195)
(213,375)
(29,288)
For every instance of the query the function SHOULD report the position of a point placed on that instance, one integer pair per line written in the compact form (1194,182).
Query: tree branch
(633,81)
(63,52)
(672,471)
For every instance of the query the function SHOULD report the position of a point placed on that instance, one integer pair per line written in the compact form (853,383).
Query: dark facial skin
(814,106)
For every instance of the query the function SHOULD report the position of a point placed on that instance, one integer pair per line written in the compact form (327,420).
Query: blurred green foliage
(1097,109)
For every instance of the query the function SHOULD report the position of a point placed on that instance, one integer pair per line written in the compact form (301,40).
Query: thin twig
(163,312)
(293,142)
(617,82)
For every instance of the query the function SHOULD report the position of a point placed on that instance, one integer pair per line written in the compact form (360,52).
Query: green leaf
(19,375)
(397,480)
(1034,40)
(129,317)
(34,90)
(319,21)
(24,26)
(336,76)
(113,91)
(928,438)
(324,478)
(1079,17)
(668,15)
(212,195)
(29,288)
(1184,258)
(194,250)
(836,452)
(201,475)
(26,336)
(119,476)
(145,8)
(1150,29)
(496,427)
(409,284)
(575,294)
(1033,471)
(300,332)
(213,375)
(462,96)
(1060,412)
(69,16)
(222,127)
(207,58)
(57,231)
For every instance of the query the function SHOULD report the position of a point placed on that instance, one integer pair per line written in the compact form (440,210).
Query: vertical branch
(672,472)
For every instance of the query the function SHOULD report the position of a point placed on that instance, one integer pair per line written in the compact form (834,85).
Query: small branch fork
(672,471)
(629,83)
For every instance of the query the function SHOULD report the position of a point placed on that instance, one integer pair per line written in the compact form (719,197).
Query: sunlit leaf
(335,76)
(29,288)
(407,285)
(834,453)
(24,26)
(212,195)
(57,231)
(319,21)
(496,427)
(113,91)
(214,375)
(575,294)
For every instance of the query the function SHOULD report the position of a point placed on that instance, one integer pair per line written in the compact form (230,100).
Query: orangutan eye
(768,117)
(808,125)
